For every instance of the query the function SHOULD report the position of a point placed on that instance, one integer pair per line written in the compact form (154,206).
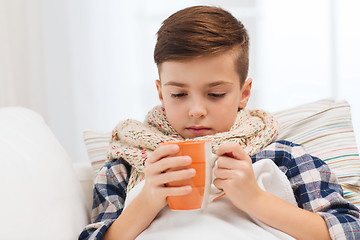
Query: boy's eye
(216,95)
(178,95)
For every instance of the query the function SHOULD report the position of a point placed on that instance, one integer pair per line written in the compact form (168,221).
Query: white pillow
(41,197)
(323,127)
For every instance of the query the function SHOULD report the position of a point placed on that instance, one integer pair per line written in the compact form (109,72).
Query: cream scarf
(135,141)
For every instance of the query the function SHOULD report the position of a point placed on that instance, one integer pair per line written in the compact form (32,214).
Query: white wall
(88,64)
(309,50)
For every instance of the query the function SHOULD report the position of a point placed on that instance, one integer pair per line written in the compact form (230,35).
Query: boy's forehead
(229,54)
(218,69)
(208,84)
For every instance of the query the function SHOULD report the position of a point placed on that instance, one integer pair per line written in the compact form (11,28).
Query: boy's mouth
(199,130)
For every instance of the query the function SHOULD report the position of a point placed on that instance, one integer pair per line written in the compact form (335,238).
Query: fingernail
(187,159)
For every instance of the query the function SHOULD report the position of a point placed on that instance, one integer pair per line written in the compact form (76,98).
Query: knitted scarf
(135,141)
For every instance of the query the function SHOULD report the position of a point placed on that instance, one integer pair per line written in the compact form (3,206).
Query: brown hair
(202,30)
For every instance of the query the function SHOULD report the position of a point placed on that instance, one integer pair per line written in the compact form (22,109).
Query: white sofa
(47,196)
(43,194)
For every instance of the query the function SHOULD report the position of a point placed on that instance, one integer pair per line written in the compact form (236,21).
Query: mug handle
(211,192)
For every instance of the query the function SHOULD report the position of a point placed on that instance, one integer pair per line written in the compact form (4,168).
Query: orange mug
(203,191)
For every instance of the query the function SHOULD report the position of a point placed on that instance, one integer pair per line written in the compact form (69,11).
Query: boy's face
(202,96)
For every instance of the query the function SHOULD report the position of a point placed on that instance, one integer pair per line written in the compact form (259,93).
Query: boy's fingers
(163,151)
(171,176)
(223,173)
(233,149)
(225,162)
(177,162)
(176,191)
(219,183)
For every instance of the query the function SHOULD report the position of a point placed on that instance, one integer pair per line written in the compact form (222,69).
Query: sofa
(44,194)
(47,196)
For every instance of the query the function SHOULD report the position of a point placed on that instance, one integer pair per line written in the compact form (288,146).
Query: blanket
(221,219)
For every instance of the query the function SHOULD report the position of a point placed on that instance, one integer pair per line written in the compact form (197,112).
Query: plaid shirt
(315,187)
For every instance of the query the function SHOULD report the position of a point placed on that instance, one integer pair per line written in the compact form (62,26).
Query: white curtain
(88,64)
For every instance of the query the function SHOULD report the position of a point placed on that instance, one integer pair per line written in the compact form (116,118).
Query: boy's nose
(197,110)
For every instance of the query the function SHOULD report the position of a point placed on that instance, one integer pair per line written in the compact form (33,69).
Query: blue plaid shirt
(315,187)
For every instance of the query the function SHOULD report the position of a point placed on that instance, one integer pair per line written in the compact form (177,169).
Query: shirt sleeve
(316,188)
(108,198)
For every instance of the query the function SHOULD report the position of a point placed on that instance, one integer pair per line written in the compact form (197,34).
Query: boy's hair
(203,30)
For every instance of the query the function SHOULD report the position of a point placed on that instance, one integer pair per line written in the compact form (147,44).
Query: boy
(202,58)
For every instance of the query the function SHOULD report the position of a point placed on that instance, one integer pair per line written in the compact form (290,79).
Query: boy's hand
(156,175)
(234,174)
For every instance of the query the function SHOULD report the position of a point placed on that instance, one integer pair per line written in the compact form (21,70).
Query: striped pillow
(324,128)
(97,145)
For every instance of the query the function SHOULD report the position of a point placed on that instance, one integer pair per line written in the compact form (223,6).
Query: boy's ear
(245,93)
(159,89)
